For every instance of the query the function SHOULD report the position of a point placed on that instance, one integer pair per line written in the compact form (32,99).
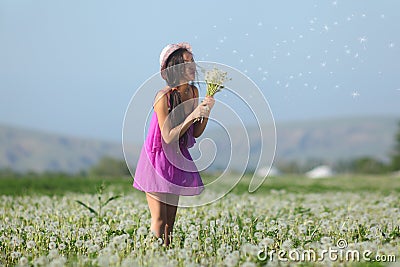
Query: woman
(165,169)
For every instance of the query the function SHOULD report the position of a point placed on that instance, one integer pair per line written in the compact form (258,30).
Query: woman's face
(190,66)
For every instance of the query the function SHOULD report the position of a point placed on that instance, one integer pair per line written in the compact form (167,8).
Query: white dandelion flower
(195,245)
(142,231)
(78,243)
(23,261)
(61,246)
(15,255)
(52,245)
(30,244)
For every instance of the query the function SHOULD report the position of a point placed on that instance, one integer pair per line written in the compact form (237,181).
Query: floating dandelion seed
(309,56)
(323,64)
(348,51)
(251,55)
(326,28)
(259,24)
(391,45)
(356,55)
(241,60)
(362,41)
(300,36)
(382,16)
(234,51)
(355,94)
(363,15)
(334,3)
(335,23)
(214,26)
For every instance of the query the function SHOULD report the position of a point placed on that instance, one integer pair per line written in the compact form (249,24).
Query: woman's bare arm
(200,126)
(168,133)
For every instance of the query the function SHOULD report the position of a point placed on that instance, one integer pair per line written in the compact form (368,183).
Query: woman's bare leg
(158,211)
(163,209)
(172,207)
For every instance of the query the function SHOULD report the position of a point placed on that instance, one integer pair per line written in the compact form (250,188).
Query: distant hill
(339,138)
(25,150)
(328,140)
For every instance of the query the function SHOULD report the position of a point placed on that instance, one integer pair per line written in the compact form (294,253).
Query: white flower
(78,243)
(30,244)
(195,245)
(15,254)
(61,246)
(194,234)
(287,245)
(23,261)
(268,242)
(142,231)
(52,245)
(215,79)
(230,260)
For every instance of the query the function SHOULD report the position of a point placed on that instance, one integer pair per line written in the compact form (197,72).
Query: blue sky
(72,66)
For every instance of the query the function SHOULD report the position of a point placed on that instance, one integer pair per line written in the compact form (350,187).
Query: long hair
(175,69)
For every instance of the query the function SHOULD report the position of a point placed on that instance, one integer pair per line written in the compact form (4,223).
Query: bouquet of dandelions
(214,80)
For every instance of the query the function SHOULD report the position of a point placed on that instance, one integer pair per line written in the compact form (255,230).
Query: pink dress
(167,168)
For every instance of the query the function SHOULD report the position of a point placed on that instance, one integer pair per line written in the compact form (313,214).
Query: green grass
(61,184)
(299,184)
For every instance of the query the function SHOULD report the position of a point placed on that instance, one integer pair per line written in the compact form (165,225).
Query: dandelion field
(290,214)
